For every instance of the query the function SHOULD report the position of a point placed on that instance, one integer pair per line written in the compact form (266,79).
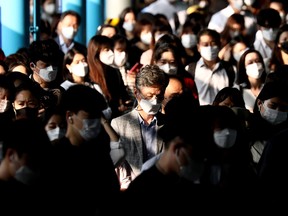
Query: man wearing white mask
(210,73)
(268,21)
(45,62)
(67,29)
(138,128)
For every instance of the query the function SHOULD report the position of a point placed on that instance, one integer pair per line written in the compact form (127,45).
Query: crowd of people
(187,114)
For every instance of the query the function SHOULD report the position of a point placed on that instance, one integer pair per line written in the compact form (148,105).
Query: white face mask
(169,69)
(48,74)
(91,128)
(209,53)
(120,58)
(128,26)
(225,138)
(189,40)
(191,171)
(68,32)
(107,57)
(255,70)
(238,4)
(150,107)
(274,117)
(107,113)
(249,2)
(80,69)
(269,34)
(50,8)
(56,133)
(146,38)
(25,175)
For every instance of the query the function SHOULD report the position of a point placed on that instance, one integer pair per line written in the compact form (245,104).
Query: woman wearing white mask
(75,68)
(270,114)
(188,37)
(108,79)
(251,75)
(126,24)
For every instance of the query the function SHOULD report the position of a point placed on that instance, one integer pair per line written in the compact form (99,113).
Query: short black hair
(81,97)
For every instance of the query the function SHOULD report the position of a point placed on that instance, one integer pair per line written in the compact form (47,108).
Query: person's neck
(4,172)
(210,64)
(146,117)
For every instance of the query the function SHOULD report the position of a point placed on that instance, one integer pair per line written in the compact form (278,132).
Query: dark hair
(72,13)
(81,97)
(28,136)
(269,18)
(45,50)
(68,59)
(234,94)
(210,32)
(242,77)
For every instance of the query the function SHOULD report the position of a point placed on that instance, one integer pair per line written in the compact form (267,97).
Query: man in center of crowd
(138,128)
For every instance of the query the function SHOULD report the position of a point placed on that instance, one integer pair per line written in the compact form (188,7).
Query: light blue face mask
(274,117)
(193,170)
(91,128)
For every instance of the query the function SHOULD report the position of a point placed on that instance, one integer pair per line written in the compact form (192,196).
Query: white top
(209,82)
(219,19)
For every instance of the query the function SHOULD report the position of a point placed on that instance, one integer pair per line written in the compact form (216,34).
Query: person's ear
(259,103)
(69,118)
(11,154)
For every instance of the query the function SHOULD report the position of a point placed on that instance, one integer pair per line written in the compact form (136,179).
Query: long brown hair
(96,70)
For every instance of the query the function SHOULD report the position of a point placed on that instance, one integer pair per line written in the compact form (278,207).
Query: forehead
(150,90)
(277,100)
(206,38)
(78,56)
(239,47)
(129,16)
(251,56)
(69,20)
(24,94)
(167,55)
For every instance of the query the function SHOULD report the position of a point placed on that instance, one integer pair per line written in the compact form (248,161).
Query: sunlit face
(239,47)
(108,31)
(130,17)
(167,57)
(78,57)
(69,21)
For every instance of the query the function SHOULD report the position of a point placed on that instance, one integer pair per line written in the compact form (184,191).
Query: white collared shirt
(63,46)
(209,82)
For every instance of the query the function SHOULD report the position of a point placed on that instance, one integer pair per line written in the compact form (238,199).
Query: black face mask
(284,47)
(27,112)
